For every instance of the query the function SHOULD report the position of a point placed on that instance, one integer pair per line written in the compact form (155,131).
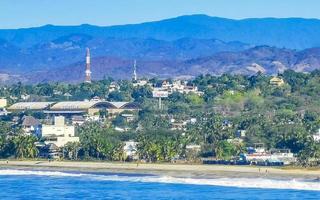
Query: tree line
(283,117)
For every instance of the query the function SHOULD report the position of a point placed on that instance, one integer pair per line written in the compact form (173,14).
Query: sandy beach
(183,170)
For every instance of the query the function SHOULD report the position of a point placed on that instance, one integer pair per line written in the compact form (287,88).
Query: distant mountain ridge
(269,60)
(186,45)
(293,33)
(70,49)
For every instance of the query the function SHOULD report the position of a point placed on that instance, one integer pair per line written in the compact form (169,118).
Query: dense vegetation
(283,117)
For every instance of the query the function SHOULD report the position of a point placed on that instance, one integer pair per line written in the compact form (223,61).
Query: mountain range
(182,46)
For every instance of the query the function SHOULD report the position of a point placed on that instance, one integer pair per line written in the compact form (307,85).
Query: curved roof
(73,105)
(30,105)
(117,105)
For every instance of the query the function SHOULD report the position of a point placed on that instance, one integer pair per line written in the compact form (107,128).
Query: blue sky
(31,13)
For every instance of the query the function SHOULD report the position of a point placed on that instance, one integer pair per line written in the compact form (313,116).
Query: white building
(59,133)
(130,149)
(140,83)
(178,86)
(316,136)
(3,112)
(113,87)
(3,102)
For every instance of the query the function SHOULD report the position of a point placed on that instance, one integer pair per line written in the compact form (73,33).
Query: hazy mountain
(70,49)
(186,45)
(269,60)
(294,33)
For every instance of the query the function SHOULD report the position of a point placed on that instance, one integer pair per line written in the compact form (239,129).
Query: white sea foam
(36,173)
(228,182)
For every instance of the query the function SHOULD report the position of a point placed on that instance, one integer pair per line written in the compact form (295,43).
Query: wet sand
(176,170)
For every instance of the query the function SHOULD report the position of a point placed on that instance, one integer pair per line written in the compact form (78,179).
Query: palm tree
(25,146)
(71,150)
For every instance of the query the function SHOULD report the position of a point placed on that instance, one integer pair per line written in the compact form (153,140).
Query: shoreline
(167,169)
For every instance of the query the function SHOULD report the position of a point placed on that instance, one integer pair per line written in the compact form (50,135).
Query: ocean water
(24,184)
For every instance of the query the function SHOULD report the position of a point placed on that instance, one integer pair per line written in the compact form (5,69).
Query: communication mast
(88,67)
(135,77)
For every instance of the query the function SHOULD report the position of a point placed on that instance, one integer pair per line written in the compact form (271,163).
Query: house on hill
(276,81)
(3,102)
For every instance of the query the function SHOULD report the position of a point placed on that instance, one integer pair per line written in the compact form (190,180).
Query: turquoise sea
(25,184)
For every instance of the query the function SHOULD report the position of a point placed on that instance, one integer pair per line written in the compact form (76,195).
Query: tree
(71,150)
(25,146)
(225,150)
(98,142)
(160,145)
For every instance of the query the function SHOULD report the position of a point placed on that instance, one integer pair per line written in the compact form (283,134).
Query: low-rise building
(241,133)
(276,81)
(34,106)
(178,86)
(3,112)
(113,87)
(59,133)
(31,125)
(50,151)
(78,120)
(140,83)
(128,117)
(3,102)
(71,108)
(316,136)
(130,150)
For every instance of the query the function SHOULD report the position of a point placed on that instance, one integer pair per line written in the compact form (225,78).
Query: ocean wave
(8,172)
(227,182)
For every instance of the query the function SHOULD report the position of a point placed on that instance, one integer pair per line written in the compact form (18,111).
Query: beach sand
(176,170)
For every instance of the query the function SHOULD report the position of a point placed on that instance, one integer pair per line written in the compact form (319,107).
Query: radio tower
(88,70)
(135,71)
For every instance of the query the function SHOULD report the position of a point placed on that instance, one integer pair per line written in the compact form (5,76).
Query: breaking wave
(228,182)
(9,172)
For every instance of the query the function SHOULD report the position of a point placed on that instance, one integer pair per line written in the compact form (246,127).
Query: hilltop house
(3,102)
(114,86)
(178,86)
(316,136)
(276,81)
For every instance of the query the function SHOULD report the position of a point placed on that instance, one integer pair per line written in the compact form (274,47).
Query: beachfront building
(259,154)
(31,126)
(50,151)
(59,133)
(130,150)
(192,151)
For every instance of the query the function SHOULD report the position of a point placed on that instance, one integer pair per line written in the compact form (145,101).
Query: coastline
(167,169)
